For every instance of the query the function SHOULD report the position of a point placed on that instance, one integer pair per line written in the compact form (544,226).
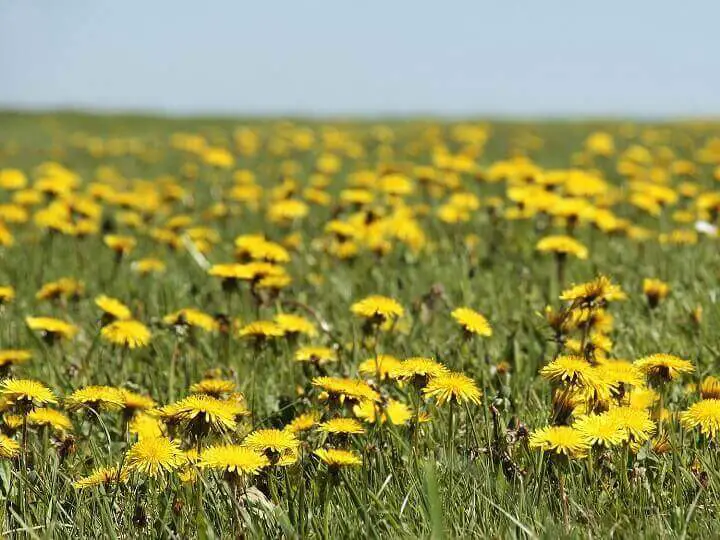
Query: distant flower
(7,295)
(129,333)
(655,291)
(148,266)
(96,398)
(345,390)
(381,366)
(121,245)
(562,245)
(472,321)
(377,307)
(315,355)
(192,318)
(52,329)
(112,308)
(418,370)
(294,324)
(593,294)
(213,387)
(342,426)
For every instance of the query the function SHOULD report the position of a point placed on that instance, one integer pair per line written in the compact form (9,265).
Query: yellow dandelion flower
(594,293)
(303,422)
(340,389)
(294,324)
(636,422)
(103,476)
(7,295)
(192,317)
(339,426)
(113,308)
(562,245)
(25,393)
(213,387)
(335,458)
(377,307)
(273,443)
(315,355)
(655,290)
(453,387)
(380,366)
(601,430)
(472,321)
(52,328)
(146,425)
(128,333)
(148,266)
(10,357)
(201,413)
(122,245)
(563,440)
(96,398)
(154,456)
(710,388)
(9,448)
(666,367)
(705,415)
(233,458)
(57,420)
(261,330)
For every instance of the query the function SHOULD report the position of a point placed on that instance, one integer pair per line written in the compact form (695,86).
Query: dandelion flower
(562,440)
(9,448)
(261,330)
(233,458)
(710,388)
(453,387)
(636,422)
(95,397)
(200,414)
(145,425)
(213,387)
(26,394)
(113,309)
(128,333)
(377,307)
(562,245)
(10,357)
(380,366)
(273,443)
(154,456)
(122,245)
(705,415)
(601,430)
(472,321)
(315,355)
(294,324)
(594,293)
(104,476)
(340,390)
(303,422)
(342,426)
(666,367)
(57,420)
(335,458)
(52,329)
(193,318)
(418,370)
(655,290)
(7,295)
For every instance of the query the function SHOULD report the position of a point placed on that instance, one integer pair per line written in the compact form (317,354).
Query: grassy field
(323,381)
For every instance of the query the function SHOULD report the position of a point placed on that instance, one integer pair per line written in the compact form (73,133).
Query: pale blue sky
(501,57)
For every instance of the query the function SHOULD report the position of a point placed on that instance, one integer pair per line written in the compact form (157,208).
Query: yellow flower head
(705,415)
(200,413)
(594,293)
(303,422)
(710,388)
(261,330)
(377,306)
(192,317)
(14,356)
(563,440)
(96,398)
(294,324)
(273,443)
(134,402)
(129,333)
(122,245)
(154,456)
(52,328)
(418,370)
(601,430)
(336,458)
(451,386)
(233,458)
(57,420)
(213,387)
(380,366)
(666,367)
(472,321)
(562,245)
(655,291)
(104,476)
(346,389)
(26,393)
(7,295)
(113,308)
(315,355)
(148,266)
(636,422)
(342,426)
(9,448)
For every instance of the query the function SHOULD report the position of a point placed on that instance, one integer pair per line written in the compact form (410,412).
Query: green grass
(486,486)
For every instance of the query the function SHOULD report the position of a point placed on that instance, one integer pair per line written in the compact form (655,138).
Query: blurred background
(375,58)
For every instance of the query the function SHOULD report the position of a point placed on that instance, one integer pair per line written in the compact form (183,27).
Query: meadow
(230,328)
